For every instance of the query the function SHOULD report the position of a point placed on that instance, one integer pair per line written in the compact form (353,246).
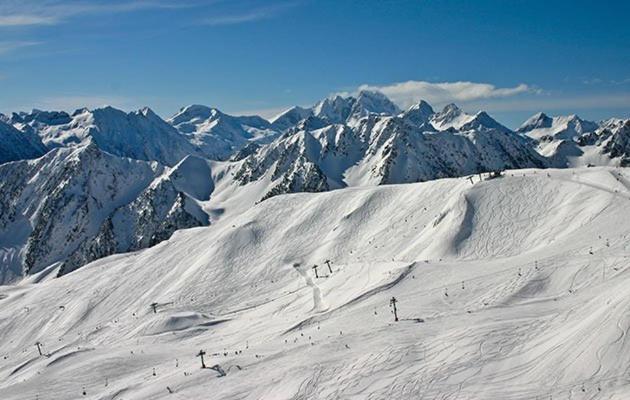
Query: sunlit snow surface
(511,288)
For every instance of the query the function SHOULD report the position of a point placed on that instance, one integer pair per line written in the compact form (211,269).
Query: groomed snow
(511,288)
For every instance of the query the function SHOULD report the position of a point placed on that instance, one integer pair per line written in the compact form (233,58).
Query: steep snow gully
(510,288)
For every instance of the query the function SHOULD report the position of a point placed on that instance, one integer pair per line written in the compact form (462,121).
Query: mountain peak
(450,116)
(540,115)
(80,111)
(194,112)
(538,120)
(376,102)
(42,117)
(108,112)
(372,94)
(566,127)
(422,106)
(484,117)
(483,120)
(334,109)
(419,114)
(148,112)
(451,108)
(195,109)
(290,117)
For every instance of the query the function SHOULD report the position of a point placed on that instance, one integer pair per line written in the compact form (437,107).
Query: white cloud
(49,12)
(248,15)
(22,20)
(6,47)
(408,93)
(234,19)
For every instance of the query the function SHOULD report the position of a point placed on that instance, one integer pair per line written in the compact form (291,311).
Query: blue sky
(512,58)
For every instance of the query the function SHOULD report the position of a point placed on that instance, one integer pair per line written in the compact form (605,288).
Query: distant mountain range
(81,186)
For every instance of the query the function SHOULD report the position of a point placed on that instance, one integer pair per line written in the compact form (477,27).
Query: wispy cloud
(6,47)
(600,81)
(408,93)
(234,19)
(23,20)
(256,14)
(592,81)
(49,12)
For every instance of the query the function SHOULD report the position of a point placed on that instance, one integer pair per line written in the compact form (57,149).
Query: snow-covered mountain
(540,126)
(17,145)
(218,135)
(511,288)
(141,135)
(125,250)
(370,102)
(420,114)
(384,149)
(290,117)
(338,110)
(39,121)
(78,204)
(172,201)
(572,141)
(335,110)
(341,141)
(611,140)
(452,117)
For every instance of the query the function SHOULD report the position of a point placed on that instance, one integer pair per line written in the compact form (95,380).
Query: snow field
(511,288)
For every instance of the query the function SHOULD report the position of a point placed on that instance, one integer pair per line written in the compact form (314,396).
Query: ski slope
(511,288)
